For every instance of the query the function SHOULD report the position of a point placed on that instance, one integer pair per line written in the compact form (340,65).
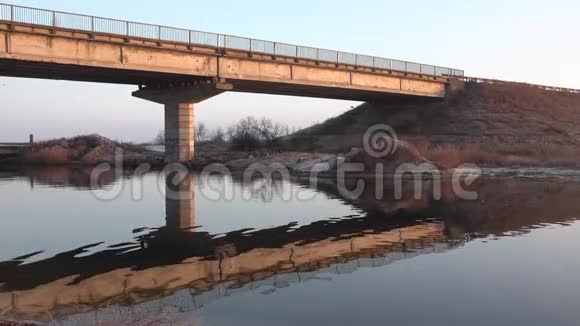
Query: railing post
(127,28)
(189,35)
(53,19)
(12,13)
(159,33)
(93,24)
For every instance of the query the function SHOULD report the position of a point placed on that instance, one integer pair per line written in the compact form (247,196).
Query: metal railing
(92,24)
(505,82)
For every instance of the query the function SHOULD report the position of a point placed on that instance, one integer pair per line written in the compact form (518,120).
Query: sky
(530,41)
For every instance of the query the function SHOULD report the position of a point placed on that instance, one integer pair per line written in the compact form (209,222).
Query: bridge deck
(108,26)
(47,44)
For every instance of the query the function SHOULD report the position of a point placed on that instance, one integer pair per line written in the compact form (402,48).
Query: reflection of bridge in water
(182,267)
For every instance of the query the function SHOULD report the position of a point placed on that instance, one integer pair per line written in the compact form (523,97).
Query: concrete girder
(192,94)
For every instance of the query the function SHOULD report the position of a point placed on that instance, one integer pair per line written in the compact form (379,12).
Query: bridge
(178,67)
(12,149)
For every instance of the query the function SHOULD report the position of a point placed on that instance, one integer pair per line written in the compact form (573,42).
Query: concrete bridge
(12,149)
(178,67)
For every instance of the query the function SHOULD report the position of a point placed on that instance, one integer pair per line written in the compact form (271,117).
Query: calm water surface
(280,252)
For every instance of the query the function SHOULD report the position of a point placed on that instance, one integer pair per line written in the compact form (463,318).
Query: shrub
(252,134)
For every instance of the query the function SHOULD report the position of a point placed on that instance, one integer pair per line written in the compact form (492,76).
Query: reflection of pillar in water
(180,201)
(32,181)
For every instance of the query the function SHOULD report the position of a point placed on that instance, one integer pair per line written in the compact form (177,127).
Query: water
(280,252)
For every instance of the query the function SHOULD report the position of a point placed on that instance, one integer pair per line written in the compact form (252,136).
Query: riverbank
(89,150)
(92,150)
(504,125)
(507,124)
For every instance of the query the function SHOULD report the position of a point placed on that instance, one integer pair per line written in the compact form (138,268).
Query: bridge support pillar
(179,122)
(179,132)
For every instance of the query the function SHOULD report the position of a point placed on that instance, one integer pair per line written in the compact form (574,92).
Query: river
(271,251)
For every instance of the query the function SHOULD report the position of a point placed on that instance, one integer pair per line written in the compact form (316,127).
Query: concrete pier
(179,132)
(179,116)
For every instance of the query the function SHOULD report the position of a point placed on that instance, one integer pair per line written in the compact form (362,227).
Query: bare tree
(230,133)
(270,132)
(248,134)
(245,137)
(218,135)
(160,138)
(251,134)
(201,133)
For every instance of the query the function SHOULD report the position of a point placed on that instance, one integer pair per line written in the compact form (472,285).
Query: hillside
(483,123)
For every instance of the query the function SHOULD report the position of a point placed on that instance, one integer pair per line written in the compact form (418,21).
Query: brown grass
(450,156)
(48,155)
(89,149)
(486,124)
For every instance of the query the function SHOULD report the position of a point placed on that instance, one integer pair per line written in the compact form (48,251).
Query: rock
(405,153)
(101,153)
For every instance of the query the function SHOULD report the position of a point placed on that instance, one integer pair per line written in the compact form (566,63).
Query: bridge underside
(169,81)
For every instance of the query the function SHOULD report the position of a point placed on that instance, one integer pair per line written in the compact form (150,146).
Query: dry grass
(88,149)
(485,124)
(450,156)
(48,155)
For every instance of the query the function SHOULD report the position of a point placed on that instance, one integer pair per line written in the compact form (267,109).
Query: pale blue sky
(532,41)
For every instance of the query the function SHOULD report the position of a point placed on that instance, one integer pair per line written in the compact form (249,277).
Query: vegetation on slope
(507,124)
